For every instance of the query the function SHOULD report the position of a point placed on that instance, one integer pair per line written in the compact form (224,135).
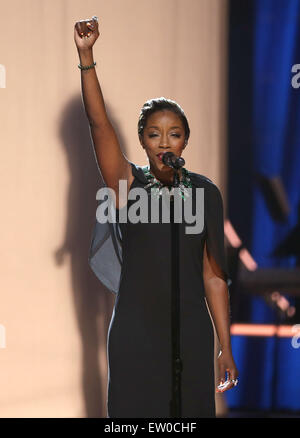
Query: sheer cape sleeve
(214,223)
(105,254)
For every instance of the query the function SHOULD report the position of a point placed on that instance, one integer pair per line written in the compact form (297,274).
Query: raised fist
(86,33)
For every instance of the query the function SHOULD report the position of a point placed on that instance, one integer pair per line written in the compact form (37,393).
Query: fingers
(86,27)
(222,374)
(92,25)
(83,29)
(223,381)
(230,382)
(79,28)
(225,386)
(233,376)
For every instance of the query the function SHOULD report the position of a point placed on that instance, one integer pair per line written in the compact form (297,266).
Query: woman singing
(139,345)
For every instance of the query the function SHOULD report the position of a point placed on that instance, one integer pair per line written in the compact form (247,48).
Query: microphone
(171,160)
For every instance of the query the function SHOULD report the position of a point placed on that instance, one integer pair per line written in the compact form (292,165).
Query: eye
(155,135)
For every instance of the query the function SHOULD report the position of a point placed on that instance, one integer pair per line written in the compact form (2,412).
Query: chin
(159,163)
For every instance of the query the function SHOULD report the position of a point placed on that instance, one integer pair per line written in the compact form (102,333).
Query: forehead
(164,117)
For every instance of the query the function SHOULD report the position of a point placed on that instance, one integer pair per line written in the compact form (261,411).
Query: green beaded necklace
(157,185)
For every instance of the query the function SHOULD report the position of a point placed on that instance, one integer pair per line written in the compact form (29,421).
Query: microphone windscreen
(167,157)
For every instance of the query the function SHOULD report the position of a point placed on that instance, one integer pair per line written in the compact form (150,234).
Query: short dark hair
(161,104)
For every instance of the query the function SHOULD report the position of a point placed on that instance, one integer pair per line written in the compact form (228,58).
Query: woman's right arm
(111,160)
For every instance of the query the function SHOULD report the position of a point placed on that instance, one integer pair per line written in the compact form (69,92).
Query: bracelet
(87,67)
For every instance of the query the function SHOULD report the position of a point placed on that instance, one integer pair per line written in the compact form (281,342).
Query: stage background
(54,313)
(263,139)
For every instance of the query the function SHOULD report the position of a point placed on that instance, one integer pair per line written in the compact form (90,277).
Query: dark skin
(164,131)
(217,297)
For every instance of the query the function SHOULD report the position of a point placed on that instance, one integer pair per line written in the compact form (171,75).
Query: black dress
(139,335)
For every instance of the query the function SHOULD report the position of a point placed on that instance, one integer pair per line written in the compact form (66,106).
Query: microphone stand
(175,403)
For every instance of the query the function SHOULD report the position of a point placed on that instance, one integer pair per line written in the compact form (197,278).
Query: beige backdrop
(54,313)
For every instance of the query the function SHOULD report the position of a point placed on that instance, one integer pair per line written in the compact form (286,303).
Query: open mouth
(160,155)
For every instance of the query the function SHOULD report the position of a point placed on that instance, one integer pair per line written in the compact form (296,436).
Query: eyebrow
(172,127)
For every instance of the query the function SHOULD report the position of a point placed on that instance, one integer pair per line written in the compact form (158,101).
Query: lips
(160,155)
